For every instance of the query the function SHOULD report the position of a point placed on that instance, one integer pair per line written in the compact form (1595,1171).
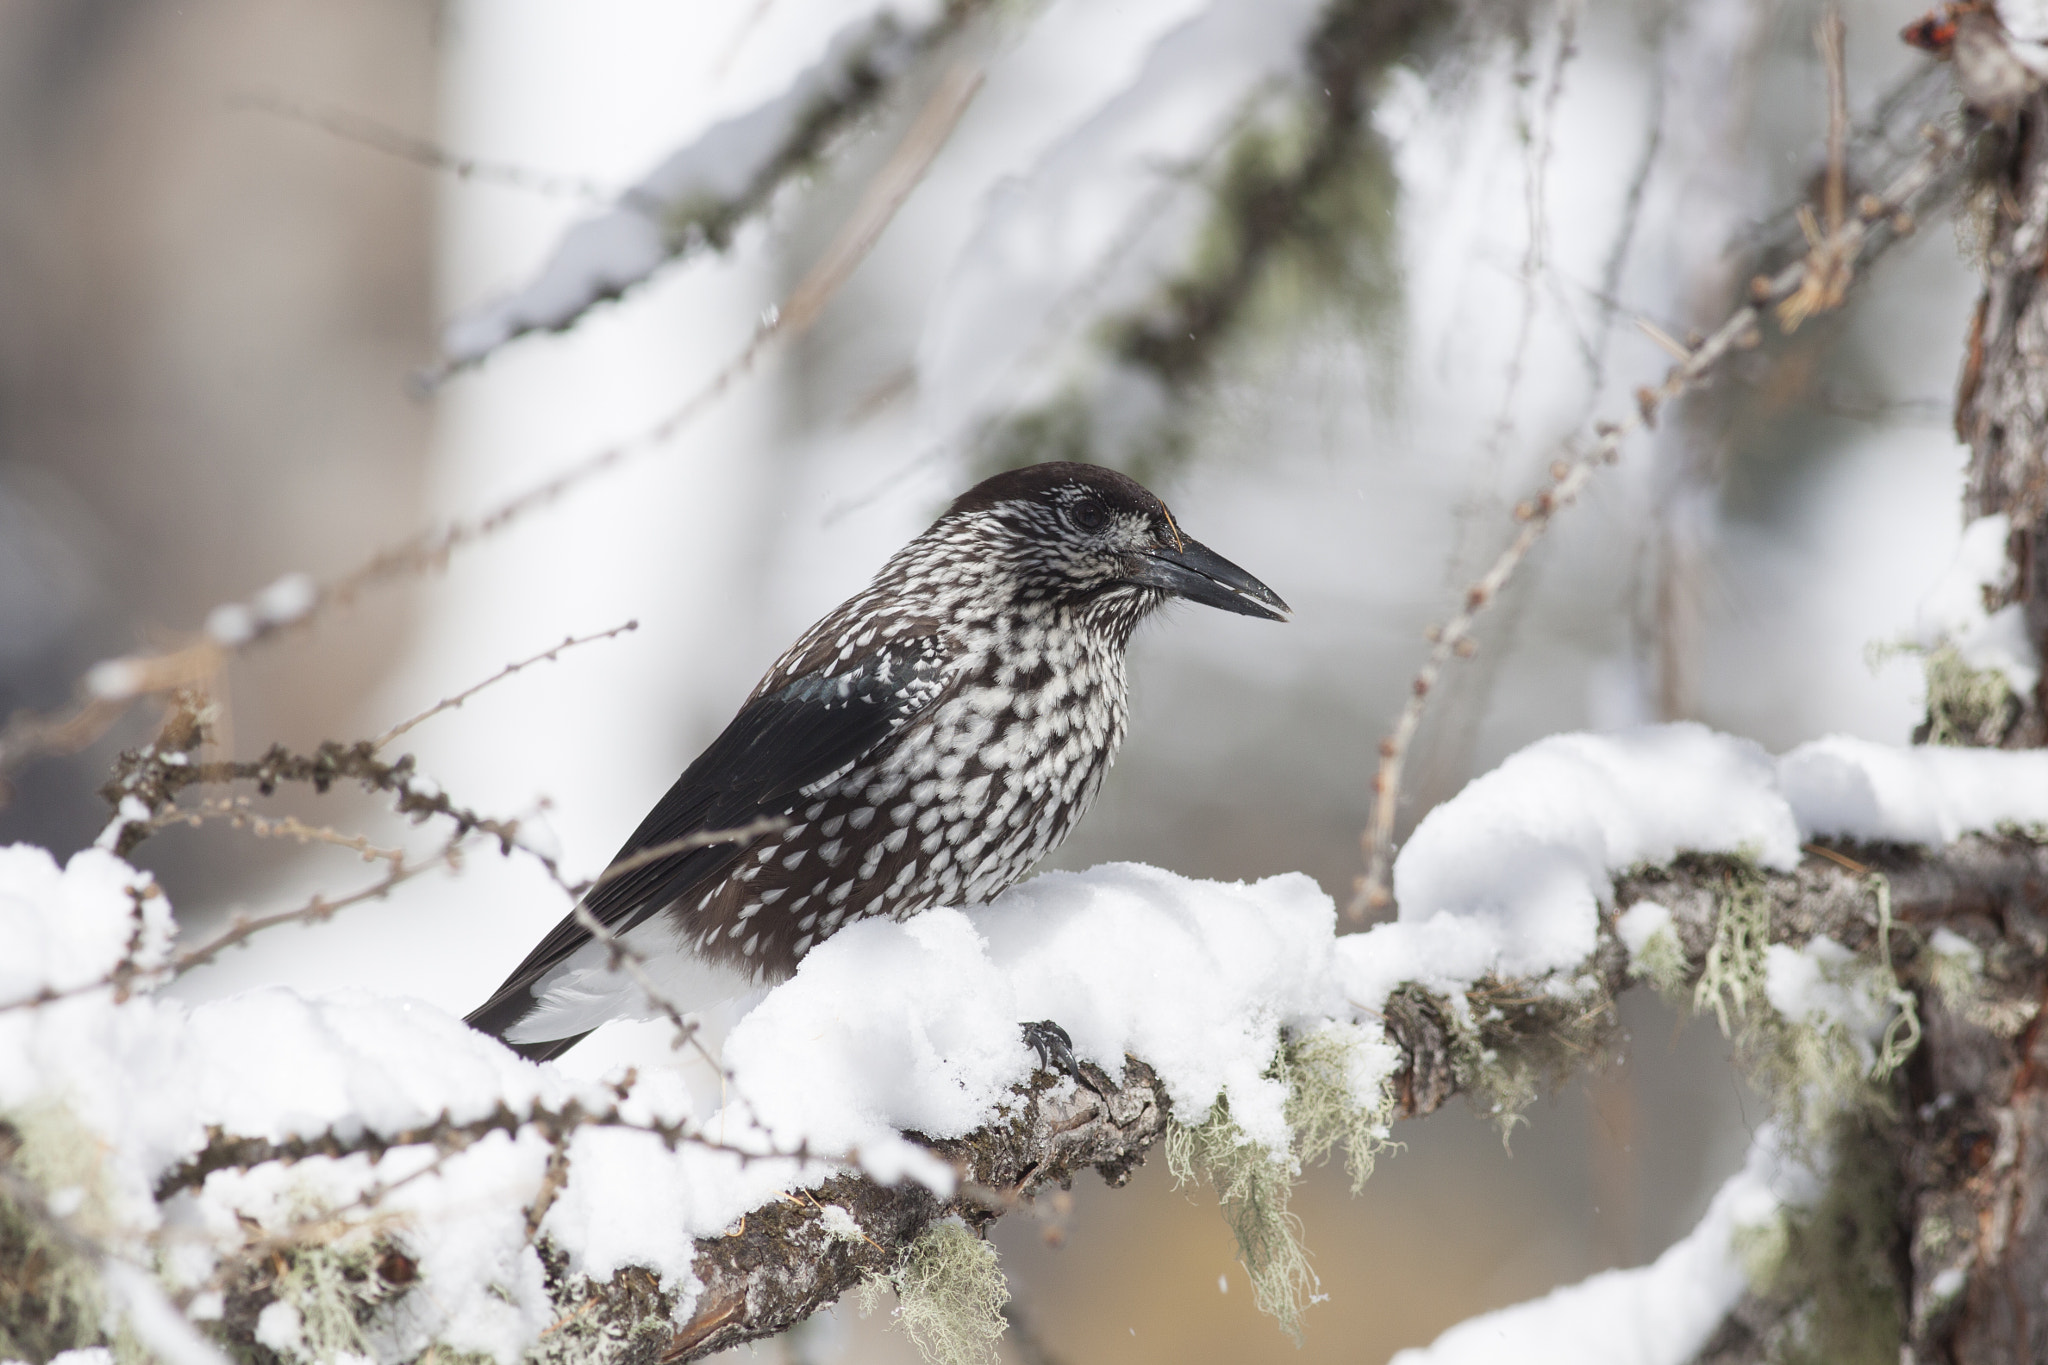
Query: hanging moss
(950,1294)
(1334,1098)
(1732,978)
(1965,706)
(1253,1185)
(1335,1095)
(1517,1042)
(50,1298)
(1301,222)
(1661,964)
(1838,1262)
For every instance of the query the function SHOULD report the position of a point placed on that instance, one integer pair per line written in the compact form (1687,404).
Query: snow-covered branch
(360,1174)
(701,194)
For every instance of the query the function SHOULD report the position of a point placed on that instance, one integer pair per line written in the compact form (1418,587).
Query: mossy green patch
(1253,1184)
(1337,1095)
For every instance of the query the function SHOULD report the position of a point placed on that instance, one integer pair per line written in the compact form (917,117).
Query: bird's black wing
(783,741)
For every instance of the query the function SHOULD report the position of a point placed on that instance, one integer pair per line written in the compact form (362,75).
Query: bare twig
(237,812)
(225,1152)
(1828,268)
(381,137)
(885,194)
(450,703)
(1454,637)
(739,834)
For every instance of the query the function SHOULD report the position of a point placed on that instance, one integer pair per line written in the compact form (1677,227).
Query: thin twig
(1454,637)
(450,703)
(738,834)
(382,137)
(1828,266)
(237,812)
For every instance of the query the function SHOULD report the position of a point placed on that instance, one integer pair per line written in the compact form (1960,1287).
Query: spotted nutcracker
(925,744)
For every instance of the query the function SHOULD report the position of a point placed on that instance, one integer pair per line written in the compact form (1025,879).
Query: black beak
(1198,573)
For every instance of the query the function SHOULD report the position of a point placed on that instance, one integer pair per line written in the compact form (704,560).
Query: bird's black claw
(1056,1052)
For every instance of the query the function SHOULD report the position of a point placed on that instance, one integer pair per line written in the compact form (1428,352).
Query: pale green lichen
(1831,1265)
(1902,1031)
(1253,1184)
(1660,963)
(1732,976)
(1814,1068)
(1839,1264)
(950,1294)
(1514,1039)
(1337,1094)
(335,1288)
(51,1299)
(1965,705)
(1953,968)
(1761,1248)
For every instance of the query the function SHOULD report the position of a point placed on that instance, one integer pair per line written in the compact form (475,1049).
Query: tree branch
(780,1266)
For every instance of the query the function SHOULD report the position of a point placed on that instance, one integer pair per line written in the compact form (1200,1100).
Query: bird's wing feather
(784,740)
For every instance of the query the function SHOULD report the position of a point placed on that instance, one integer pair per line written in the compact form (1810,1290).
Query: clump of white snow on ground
(891,1027)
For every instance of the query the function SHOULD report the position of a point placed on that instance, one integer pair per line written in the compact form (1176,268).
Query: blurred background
(1412,246)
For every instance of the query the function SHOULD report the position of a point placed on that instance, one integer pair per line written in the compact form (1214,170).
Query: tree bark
(1974,1151)
(2002,396)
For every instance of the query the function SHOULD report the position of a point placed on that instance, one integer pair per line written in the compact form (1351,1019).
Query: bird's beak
(1198,573)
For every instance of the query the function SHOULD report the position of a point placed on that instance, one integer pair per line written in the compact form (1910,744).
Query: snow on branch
(698,197)
(363,1175)
(1130,255)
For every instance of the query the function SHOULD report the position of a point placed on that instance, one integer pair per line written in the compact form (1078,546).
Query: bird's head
(1085,536)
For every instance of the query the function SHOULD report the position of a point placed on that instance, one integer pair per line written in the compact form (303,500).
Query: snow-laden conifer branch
(701,194)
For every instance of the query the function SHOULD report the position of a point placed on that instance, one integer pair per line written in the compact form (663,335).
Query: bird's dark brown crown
(1056,531)
(1046,483)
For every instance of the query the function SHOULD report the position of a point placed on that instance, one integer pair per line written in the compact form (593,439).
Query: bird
(925,744)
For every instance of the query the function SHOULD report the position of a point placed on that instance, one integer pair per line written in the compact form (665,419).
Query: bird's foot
(1056,1053)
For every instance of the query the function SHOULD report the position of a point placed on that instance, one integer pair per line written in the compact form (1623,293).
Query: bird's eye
(1088,515)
